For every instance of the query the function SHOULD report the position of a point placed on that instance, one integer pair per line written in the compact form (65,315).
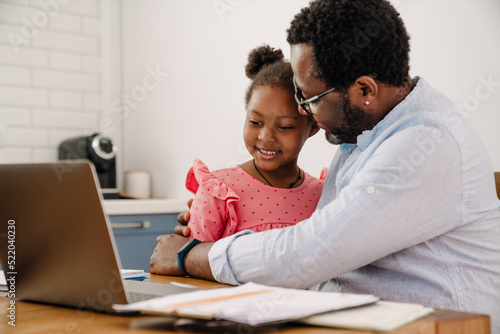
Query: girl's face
(275,131)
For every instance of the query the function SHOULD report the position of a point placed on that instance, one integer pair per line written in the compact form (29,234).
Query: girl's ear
(314,129)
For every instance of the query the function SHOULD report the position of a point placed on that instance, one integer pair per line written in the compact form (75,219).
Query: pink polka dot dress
(230,200)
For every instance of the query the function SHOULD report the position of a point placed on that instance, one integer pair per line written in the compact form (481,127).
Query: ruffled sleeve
(191,182)
(322,175)
(212,212)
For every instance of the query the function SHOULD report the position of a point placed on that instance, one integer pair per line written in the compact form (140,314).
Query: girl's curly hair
(267,67)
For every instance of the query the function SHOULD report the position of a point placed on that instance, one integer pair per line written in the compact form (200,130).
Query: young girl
(269,191)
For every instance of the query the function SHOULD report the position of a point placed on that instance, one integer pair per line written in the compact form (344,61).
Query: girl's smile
(268,154)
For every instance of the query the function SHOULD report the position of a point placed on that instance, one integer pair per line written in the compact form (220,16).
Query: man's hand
(164,258)
(183,219)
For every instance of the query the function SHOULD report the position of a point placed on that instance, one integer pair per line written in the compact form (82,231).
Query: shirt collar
(399,111)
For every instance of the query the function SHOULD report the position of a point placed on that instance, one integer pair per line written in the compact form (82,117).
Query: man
(408,210)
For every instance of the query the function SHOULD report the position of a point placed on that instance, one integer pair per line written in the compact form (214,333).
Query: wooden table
(39,318)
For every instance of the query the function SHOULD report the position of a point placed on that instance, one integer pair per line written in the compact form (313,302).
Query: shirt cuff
(218,257)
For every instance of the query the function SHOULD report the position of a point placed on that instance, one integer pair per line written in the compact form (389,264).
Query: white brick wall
(50,75)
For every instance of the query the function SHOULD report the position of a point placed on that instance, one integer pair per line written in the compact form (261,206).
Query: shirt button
(370,190)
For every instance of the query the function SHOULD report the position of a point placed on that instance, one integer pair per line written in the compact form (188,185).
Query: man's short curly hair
(351,38)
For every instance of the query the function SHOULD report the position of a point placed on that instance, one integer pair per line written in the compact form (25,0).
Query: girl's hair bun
(260,57)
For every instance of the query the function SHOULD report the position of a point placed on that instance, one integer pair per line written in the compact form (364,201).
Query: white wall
(50,76)
(197,111)
(92,62)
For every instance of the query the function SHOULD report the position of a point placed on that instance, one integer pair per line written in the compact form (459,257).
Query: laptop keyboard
(135,297)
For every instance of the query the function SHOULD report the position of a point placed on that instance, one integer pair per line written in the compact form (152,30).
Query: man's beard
(355,122)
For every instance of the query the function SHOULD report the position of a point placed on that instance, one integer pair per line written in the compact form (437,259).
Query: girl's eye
(255,123)
(282,127)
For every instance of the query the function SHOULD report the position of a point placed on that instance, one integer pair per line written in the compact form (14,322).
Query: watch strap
(181,254)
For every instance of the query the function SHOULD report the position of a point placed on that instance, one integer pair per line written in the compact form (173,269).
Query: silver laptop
(56,243)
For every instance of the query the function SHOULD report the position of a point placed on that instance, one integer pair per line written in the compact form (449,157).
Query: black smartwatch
(181,253)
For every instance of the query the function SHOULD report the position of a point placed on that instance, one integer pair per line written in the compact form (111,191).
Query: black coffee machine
(101,151)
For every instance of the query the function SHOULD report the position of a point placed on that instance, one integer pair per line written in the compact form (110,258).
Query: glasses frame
(302,100)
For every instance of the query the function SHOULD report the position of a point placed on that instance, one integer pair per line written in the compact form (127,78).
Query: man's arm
(385,208)
(374,215)
(164,258)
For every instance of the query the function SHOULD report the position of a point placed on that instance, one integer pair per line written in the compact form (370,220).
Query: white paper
(381,316)
(250,303)
(132,273)
(3,281)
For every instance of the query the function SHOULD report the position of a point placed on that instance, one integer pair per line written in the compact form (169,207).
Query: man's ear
(314,129)
(364,91)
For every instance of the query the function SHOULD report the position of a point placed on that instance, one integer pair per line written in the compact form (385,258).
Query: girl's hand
(183,219)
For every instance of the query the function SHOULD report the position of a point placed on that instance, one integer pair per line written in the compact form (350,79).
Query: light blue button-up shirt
(409,213)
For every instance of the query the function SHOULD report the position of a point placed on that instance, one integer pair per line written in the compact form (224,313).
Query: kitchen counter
(136,224)
(144,206)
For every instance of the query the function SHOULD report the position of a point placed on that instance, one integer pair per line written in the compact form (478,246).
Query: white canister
(137,184)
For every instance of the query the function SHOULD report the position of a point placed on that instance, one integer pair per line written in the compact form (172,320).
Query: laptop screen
(55,239)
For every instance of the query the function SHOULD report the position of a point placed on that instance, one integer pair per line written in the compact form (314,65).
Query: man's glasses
(301,100)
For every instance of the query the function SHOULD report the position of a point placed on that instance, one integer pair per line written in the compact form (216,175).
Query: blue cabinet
(135,236)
